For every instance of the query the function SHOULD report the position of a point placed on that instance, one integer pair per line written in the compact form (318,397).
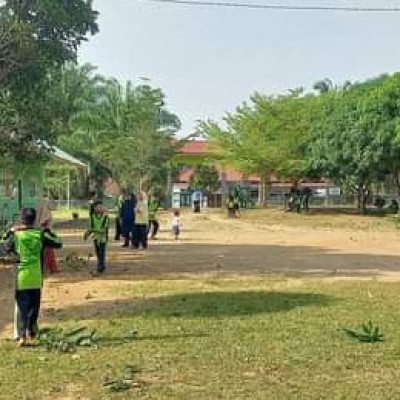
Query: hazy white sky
(209,60)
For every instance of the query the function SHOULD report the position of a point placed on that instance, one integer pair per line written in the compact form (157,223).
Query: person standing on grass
(154,225)
(98,230)
(141,222)
(28,243)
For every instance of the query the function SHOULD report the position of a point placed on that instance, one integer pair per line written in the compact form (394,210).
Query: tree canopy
(125,128)
(37,39)
(269,135)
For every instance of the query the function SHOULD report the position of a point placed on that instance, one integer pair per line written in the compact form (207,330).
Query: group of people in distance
(136,220)
(33,242)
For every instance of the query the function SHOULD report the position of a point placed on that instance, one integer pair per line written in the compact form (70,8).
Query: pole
(68,191)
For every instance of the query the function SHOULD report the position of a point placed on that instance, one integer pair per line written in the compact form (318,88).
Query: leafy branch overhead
(37,39)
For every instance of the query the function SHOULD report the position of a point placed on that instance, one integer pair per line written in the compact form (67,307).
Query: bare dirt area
(262,242)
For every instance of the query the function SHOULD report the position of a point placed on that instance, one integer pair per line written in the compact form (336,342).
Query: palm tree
(323,86)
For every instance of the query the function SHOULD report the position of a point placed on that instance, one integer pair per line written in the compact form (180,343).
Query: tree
(323,86)
(268,136)
(206,179)
(127,129)
(39,35)
(37,38)
(355,136)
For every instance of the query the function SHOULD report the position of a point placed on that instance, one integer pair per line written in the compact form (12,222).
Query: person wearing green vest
(98,230)
(28,243)
(154,206)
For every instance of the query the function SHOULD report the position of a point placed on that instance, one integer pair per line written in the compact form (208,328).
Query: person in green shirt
(154,226)
(98,230)
(28,243)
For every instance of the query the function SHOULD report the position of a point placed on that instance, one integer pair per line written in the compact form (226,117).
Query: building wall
(17,189)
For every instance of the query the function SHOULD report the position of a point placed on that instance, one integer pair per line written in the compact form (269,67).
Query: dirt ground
(211,244)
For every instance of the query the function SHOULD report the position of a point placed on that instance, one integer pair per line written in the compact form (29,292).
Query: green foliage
(57,340)
(355,134)
(206,179)
(268,136)
(125,381)
(37,38)
(117,118)
(369,333)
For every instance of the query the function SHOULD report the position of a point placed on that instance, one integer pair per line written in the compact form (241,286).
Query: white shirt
(176,221)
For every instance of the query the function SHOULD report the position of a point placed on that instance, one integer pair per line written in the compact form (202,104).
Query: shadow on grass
(120,340)
(196,305)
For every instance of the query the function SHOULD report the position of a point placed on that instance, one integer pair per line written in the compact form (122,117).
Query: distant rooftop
(194,147)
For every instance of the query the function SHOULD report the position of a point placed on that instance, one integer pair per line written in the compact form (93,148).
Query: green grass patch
(245,338)
(65,214)
(322,218)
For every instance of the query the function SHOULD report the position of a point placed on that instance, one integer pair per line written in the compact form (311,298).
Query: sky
(209,60)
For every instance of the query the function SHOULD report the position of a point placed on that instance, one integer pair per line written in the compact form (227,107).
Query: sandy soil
(211,244)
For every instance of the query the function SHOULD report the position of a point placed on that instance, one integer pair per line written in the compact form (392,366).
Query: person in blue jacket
(128,216)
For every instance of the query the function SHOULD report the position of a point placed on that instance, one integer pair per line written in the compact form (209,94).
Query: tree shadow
(194,305)
(121,340)
(182,260)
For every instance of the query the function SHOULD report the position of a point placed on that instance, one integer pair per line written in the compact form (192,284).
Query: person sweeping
(28,244)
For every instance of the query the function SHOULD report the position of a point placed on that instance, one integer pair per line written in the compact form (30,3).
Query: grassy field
(322,218)
(247,331)
(224,338)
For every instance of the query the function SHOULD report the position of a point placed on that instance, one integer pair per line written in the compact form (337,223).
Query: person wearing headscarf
(141,222)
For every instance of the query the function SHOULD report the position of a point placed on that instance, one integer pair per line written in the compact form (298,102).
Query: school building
(195,151)
(21,184)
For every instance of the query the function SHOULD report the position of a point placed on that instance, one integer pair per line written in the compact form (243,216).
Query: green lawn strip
(319,219)
(269,339)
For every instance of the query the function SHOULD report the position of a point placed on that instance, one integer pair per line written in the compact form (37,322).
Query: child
(28,243)
(176,224)
(44,219)
(141,222)
(98,230)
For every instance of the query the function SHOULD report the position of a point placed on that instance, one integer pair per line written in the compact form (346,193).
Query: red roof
(194,147)
(185,176)
(230,176)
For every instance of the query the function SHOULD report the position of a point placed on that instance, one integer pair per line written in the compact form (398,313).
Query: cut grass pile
(221,338)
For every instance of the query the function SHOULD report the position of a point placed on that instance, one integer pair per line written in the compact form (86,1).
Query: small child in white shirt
(176,224)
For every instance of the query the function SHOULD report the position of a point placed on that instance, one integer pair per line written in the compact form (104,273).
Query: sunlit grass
(231,338)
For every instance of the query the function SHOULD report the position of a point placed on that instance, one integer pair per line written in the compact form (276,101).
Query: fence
(333,201)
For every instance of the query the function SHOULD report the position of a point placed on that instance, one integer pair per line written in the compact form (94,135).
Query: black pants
(118,228)
(154,226)
(29,305)
(139,236)
(100,249)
